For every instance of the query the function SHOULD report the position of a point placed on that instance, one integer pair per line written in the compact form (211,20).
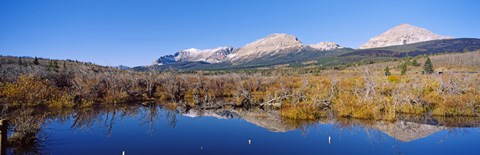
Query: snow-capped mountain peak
(215,55)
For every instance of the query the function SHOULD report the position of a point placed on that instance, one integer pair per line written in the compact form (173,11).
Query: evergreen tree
(64,65)
(415,63)
(407,59)
(387,71)
(51,66)
(55,64)
(428,67)
(20,61)
(403,68)
(35,61)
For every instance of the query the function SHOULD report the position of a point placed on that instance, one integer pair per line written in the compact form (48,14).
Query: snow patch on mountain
(325,46)
(215,55)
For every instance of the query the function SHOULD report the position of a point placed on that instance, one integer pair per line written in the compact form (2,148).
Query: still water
(151,129)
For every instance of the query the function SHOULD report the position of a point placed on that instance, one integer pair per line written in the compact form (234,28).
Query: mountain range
(285,49)
(270,45)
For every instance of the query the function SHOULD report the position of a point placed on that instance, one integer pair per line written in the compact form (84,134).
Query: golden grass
(347,93)
(442,95)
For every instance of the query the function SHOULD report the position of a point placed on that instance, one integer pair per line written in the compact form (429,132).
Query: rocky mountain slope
(274,44)
(271,44)
(215,55)
(401,35)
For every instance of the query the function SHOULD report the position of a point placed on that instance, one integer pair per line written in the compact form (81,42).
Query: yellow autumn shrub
(28,90)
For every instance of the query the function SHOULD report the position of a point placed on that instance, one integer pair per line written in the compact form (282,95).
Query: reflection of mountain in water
(217,113)
(407,131)
(27,123)
(269,120)
(403,130)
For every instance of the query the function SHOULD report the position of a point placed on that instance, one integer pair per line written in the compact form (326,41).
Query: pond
(153,129)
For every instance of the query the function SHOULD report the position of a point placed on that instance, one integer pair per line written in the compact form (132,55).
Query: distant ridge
(286,50)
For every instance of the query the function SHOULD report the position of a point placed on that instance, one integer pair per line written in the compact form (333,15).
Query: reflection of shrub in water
(458,121)
(343,123)
(303,124)
(25,126)
(302,113)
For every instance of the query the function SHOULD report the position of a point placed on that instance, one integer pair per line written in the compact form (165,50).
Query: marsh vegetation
(357,92)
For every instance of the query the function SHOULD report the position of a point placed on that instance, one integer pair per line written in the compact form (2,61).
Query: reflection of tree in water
(26,128)
(27,137)
(103,116)
(396,148)
(360,125)
(85,118)
(171,118)
(458,121)
(302,125)
(454,132)
(110,122)
(150,116)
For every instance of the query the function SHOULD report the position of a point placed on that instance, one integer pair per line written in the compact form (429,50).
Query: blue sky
(135,32)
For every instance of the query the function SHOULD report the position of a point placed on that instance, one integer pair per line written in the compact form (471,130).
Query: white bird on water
(329,140)
(249,141)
